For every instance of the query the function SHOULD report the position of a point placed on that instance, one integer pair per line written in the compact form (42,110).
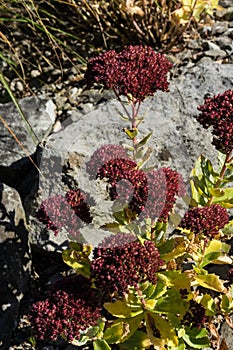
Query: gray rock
(219,28)
(40,113)
(177,141)
(224,42)
(229,33)
(226,14)
(15,262)
(208,45)
(215,54)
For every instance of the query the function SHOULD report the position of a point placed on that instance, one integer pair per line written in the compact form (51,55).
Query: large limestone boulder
(177,141)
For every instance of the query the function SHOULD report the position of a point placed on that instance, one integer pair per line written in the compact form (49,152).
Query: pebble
(215,53)
(35,73)
(209,45)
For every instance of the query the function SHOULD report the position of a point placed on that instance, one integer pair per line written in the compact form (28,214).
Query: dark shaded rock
(15,261)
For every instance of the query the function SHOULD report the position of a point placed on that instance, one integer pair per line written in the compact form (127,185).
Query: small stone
(219,28)
(194,44)
(205,60)
(229,33)
(224,42)
(215,54)
(19,86)
(209,45)
(35,73)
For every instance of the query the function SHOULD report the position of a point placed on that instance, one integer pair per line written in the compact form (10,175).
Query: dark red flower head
(218,113)
(128,184)
(148,194)
(136,71)
(122,261)
(68,212)
(206,220)
(102,155)
(70,307)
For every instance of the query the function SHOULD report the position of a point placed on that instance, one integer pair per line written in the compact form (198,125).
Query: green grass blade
(14,100)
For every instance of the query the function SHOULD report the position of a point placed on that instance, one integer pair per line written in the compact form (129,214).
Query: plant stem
(119,99)
(135,108)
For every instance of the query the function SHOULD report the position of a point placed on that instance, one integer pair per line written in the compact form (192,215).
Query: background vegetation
(59,34)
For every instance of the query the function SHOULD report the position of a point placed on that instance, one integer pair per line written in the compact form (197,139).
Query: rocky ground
(212,42)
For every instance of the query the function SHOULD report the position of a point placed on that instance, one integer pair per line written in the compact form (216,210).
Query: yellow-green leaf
(223,196)
(210,281)
(122,329)
(101,344)
(77,257)
(167,333)
(122,309)
(138,341)
(132,133)
(175,279)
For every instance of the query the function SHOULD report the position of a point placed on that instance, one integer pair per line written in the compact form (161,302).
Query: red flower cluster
(120,262)
(68,212)
(163,187)
(134,187)
(195,316)
(102,155)
(71,306)
(137,71)
(206,220)
(151,194)
(218,113)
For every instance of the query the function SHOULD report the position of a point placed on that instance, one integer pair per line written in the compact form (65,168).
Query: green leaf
(210,281)
(132,133)
(179,250)
(143,141)
(203,178)
(227,303)
(138,341)
(114,333)
(101,344)
(160,289)
(171,302)
(228,228)
(129,147)
(167,246)
(111,226)
(77,258)
(121,330)
(217,246)
(224,197)
(167,333)
(89,334)
(147,289)
(216,253)
(208,302)
(196,338)
(175,278)
(144,159)
(122,309)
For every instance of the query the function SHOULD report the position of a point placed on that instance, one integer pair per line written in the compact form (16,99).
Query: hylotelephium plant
(144,288)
